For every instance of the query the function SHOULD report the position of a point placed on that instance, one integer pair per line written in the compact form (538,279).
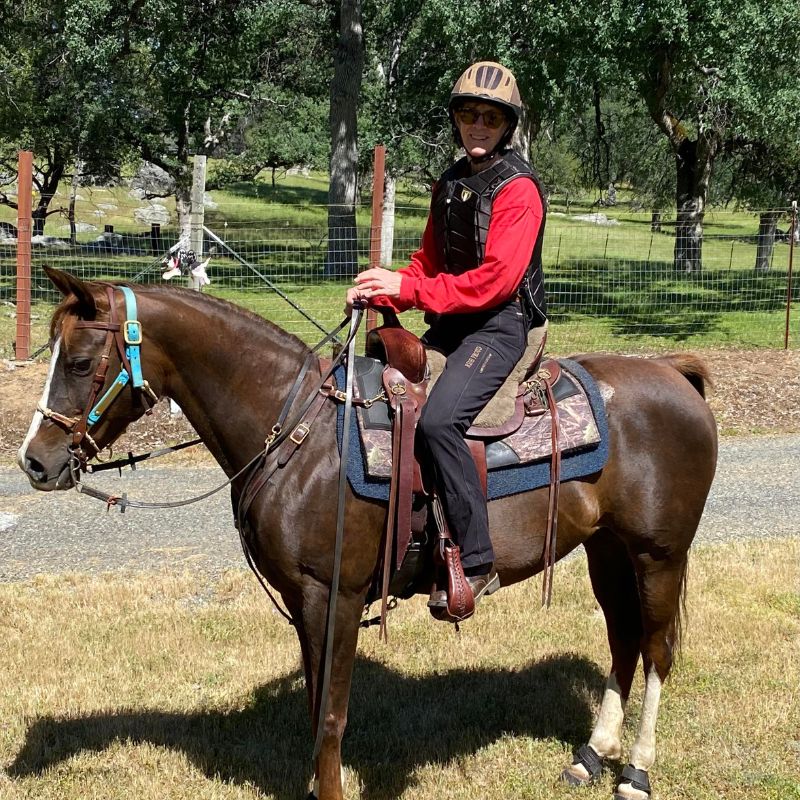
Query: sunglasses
(492,118)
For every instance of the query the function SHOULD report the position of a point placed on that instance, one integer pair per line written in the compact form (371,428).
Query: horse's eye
(81,366)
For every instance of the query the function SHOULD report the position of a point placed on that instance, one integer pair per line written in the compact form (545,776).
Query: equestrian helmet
(489,82)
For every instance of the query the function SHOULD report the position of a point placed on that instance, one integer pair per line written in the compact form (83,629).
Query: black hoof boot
(590,761)
(637,778)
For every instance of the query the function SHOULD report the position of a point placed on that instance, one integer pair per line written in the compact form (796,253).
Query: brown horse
(231,371)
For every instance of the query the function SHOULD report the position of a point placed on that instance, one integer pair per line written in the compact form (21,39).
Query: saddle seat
(416,368)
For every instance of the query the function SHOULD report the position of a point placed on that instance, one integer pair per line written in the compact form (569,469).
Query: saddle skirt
(520,439)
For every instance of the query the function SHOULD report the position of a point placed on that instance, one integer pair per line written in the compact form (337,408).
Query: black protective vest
(461,209)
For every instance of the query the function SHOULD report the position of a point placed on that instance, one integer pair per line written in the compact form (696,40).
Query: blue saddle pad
(501,482)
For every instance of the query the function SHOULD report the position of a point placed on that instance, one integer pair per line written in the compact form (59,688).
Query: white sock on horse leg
(607,733)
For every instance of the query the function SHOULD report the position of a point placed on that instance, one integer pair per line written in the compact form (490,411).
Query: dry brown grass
(158,686)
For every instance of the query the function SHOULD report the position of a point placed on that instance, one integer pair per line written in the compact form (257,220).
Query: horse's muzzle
(47,479)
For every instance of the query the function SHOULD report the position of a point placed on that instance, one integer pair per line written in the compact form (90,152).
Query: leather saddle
(406,378)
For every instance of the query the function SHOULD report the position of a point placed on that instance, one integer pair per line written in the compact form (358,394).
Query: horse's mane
(65,316)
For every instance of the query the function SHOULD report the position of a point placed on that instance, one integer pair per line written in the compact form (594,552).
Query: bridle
(128,338)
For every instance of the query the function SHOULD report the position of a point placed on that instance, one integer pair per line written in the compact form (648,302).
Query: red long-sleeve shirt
(513,228)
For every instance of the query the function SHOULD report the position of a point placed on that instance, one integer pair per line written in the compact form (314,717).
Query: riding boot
(454,594)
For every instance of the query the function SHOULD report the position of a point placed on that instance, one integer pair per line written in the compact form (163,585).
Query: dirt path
(756,492)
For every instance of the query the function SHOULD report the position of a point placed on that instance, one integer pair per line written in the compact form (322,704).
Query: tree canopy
(666,97)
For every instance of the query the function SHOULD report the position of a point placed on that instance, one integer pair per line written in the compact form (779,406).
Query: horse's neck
(228,371)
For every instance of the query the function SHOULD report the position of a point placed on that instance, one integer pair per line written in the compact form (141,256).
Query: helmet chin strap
(486,157)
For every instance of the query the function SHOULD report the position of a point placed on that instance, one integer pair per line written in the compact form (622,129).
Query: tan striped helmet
(492,83)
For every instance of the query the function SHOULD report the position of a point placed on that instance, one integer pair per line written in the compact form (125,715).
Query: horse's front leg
(328,767)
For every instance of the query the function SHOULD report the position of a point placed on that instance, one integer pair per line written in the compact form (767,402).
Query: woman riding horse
(478,277)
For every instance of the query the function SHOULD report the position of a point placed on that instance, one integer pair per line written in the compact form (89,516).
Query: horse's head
(91,394)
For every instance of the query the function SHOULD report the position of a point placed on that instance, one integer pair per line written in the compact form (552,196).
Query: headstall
(128,340)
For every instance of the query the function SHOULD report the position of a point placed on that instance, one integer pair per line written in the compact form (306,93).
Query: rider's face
(477,131)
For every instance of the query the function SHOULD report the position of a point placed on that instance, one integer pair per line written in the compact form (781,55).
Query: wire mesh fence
(611,280)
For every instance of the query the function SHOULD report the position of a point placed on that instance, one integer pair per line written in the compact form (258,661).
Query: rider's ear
(70,285)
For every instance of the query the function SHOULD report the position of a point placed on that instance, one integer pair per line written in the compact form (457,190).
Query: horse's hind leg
(661,583)
(615,586)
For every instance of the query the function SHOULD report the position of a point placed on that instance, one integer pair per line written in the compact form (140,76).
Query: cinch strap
(132,333)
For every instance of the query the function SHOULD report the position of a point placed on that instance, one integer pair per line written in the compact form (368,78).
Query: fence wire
(610,276)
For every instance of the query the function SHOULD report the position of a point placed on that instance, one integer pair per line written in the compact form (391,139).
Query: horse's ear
(68,285)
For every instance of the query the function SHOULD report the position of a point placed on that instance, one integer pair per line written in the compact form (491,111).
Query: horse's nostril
(35,469)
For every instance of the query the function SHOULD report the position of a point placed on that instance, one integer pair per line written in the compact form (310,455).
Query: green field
(610,286)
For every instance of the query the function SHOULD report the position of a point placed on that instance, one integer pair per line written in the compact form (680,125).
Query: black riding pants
(481,351)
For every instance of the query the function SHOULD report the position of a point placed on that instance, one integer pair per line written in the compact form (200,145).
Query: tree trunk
(655,222)
(342,259)
(767,225)
(183,207)
(387,223)
(47,189)
(694,161)
(73,233)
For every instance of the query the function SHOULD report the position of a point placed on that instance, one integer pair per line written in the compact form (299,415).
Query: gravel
(756,494)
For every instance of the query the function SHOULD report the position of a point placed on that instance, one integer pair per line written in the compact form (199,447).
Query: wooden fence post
(792,235)
(378,178)
(24,223)
(197,215)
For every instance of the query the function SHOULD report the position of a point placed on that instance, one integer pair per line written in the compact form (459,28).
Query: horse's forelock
(66,317)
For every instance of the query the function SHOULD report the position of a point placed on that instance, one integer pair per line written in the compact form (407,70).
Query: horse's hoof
(311,796)
(573,780)
(586,757)
(634,784)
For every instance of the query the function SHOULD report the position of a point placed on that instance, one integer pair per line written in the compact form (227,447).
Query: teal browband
(132,334)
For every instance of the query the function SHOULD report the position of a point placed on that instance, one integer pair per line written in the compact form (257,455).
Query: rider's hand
(379,282)
(354,294)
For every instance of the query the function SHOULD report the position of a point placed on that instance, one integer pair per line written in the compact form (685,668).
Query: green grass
(610,288)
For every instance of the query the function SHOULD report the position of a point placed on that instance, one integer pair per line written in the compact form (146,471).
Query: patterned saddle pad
(517,463)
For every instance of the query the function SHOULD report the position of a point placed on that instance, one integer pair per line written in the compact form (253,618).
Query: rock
(80,227)
(110,238)
(596,219)
(152,214)
(150,179)
(8,232)
(48,241)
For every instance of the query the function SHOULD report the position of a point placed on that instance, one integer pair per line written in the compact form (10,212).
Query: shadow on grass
(397,724)
(650,299)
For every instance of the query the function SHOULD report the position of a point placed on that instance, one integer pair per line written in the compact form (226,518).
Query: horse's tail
(680,613)
(693,368)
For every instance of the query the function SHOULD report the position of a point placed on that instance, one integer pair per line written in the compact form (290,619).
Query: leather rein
(128,338)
